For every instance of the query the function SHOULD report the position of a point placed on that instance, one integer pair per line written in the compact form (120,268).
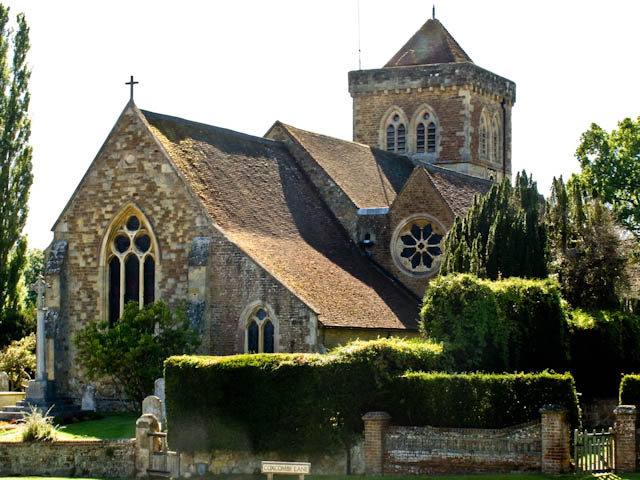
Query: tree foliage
(133,350)
(15,160)
(611,168)
(502,234)
(19,361)
(586,248)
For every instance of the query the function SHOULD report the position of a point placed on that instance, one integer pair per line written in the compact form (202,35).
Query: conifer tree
(502,234)
(15,160)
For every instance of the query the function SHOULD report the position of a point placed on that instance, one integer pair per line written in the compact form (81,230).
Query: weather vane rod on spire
(433,13)
(132,83)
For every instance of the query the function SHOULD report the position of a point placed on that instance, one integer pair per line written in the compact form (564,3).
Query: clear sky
(244,64)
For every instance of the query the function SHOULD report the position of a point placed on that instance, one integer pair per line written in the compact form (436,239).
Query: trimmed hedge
(286,402)
(507,325)
(312,403)
(630,390)
(604,346)
(477,400)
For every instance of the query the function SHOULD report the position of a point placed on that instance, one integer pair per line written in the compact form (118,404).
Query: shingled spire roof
(431,44)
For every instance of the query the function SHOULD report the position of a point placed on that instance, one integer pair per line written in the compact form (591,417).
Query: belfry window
(426,133)
(260,333)
(483,138)
(496,142)
(396,135)
(132,265)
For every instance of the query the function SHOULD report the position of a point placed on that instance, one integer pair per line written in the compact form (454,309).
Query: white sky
(243,64)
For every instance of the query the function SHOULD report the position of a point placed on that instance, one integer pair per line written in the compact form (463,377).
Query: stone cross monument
(38,390)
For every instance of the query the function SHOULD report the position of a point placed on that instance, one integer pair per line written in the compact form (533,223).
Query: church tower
(432,103)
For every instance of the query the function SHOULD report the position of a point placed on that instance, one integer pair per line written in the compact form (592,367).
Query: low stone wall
(226,462)
(10,398)
(439,451)
(70,458)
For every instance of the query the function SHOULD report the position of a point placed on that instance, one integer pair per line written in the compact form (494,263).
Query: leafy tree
(502,234)
(15,161)
(19,361)
(610,168)
(132,352)
(587,251)
(33,268)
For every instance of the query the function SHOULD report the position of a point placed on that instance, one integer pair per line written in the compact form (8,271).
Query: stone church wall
(131,169)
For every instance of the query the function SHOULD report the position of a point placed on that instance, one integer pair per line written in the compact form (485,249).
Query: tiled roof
(457,189)
(430,45)
(368,176)
(256,193)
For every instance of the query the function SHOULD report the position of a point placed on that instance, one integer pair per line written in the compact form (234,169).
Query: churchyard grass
(115,425)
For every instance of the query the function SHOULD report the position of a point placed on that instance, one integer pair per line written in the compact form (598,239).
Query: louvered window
(431,138)
(420,138)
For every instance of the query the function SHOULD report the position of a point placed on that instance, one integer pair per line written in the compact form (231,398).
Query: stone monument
(158,391)
(4,382)
(153,406)
(40,390)
(89,399)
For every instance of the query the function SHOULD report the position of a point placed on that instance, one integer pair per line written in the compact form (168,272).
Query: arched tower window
(395,133)
(426,131)
(260,331)
(131,258)
(483,138)
(496,141)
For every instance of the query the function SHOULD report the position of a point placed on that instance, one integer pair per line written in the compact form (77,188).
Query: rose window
(418,246)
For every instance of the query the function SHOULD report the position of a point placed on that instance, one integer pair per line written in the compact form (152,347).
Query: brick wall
(541,446)
(86,458)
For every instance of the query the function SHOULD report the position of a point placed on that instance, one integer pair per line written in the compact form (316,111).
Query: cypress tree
(501,235)
(15,160)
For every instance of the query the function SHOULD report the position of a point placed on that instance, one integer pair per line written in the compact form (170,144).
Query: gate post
(625,444)
(146,424)
(556,441)
(375,424)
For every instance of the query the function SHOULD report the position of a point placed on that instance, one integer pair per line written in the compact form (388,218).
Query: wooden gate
(593,451)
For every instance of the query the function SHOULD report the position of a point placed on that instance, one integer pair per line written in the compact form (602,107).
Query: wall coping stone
(625,410)
(376,416)
(552,409)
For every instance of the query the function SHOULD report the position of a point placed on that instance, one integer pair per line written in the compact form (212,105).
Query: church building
(291,242)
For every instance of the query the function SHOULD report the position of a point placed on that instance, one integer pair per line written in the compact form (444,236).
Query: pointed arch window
(496,141)
(396,131)
(260,332)
(483,138)
(131,261)
(426,131)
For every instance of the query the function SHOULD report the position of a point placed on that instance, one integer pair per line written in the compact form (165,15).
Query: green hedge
(478,400)
(604,346)
(497,326)
(630,390)
(286,402)
(310,403)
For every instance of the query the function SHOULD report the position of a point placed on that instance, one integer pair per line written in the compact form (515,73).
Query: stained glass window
(261,332)
(418,246)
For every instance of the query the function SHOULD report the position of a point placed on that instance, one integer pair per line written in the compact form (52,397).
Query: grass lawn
(114,425)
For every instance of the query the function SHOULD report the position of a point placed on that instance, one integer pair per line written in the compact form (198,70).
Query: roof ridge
(235,133)
(456,173)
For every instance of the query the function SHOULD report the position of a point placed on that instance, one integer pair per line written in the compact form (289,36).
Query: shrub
(630,390)
(38,427)
(604,346)
(478,400)
(19,361)
(131,351)
(285,402)
(311,403)
(497,326)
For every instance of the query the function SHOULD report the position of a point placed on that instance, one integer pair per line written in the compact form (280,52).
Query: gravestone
(152,405)
(89,399)
(4,382)
(158,391)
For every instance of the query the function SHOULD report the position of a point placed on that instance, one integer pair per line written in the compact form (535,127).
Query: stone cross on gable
(41,368)
(132,83)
